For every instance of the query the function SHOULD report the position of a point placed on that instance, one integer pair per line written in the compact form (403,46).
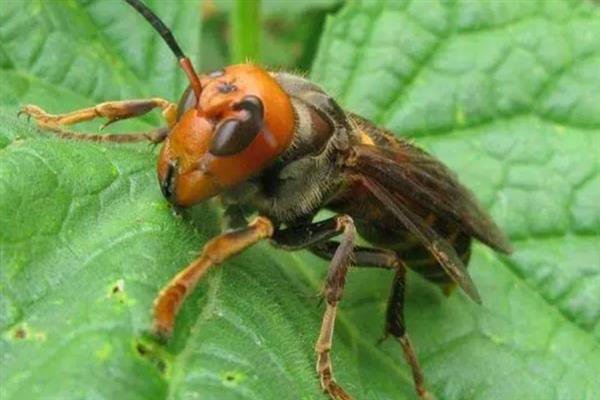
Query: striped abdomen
(384,231)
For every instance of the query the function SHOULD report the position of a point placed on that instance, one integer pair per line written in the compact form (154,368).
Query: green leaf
(505,92)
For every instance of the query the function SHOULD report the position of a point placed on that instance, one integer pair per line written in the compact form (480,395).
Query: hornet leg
(307,235)
(395,326)
(362,256)
(381,258)
(216,251)
(112,111)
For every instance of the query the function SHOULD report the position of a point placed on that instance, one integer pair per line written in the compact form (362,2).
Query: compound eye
(187,101)
(235,134)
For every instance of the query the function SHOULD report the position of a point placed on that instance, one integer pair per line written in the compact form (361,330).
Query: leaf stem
(246,28)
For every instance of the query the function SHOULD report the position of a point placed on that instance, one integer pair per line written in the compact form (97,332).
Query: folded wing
(400,175)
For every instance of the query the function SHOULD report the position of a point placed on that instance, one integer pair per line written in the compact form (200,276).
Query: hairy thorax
(302,180)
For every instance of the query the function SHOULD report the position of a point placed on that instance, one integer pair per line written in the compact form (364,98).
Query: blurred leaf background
(507,93)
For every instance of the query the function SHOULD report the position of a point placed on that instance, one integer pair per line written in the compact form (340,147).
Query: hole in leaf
(141,349)
(20,333)
(232,378)
(118,287)
(150,352)
(116,291)
(25,332)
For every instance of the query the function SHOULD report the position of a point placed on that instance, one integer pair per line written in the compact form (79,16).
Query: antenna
(167,36)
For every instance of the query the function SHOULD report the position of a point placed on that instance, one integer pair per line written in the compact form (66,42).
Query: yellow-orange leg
(216,251)
(112,111)
(323,348)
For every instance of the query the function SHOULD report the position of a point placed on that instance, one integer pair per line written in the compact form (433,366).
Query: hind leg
(396,327)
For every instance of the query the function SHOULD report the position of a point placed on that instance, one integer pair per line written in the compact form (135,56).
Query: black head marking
(226,87)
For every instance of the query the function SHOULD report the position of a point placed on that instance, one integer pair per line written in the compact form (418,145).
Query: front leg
(112,111)
(307,235)
(216,251)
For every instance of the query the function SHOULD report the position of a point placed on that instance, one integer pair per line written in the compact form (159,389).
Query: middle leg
(306,235)
(395,326)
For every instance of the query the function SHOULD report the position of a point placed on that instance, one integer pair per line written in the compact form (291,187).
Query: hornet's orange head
(242,121)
